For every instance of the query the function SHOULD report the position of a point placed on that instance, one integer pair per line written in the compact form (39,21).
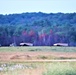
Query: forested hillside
(41,29)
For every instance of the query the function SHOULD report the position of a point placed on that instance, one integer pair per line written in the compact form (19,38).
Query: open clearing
(36,53)
(37,60)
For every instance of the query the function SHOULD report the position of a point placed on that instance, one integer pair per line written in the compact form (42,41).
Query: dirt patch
(28,57)
(8,56)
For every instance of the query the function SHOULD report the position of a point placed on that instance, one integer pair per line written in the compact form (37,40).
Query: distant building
(60,44)
(26,44)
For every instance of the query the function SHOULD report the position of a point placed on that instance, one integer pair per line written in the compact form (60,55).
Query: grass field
(64,68)
(36,53)
(52,68)
(13,60)
(38,48)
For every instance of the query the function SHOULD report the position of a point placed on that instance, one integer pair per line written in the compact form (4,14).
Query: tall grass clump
(61,69)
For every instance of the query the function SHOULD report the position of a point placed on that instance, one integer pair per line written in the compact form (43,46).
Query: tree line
(41,29)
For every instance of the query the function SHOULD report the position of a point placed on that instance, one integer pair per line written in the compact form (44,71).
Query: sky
(46,6)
